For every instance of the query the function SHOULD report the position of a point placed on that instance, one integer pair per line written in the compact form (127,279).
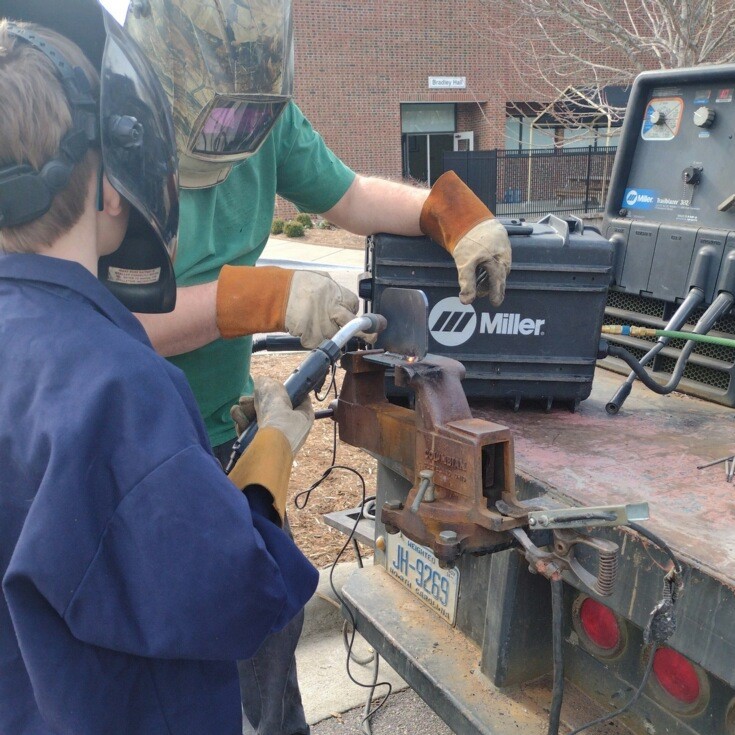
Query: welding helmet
(227,67)
(129,123)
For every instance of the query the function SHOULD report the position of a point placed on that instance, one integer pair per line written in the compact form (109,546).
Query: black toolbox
(541,343)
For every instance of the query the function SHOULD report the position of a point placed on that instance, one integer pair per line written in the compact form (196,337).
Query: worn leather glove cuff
(267,463)
(451,210)
(252,300)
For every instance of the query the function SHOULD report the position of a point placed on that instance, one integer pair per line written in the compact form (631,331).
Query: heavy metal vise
(462,466)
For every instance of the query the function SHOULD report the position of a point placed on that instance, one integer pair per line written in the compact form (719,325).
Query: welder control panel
(672,190)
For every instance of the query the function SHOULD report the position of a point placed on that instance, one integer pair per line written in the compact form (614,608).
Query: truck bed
(648,452)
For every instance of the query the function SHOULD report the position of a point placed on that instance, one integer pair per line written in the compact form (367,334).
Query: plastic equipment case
(541,343)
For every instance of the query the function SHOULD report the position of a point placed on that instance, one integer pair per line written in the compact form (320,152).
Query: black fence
(533,183)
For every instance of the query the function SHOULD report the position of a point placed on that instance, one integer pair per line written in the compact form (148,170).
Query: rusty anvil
(462,466)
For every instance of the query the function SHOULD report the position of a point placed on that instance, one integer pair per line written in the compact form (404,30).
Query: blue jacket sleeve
(185,569)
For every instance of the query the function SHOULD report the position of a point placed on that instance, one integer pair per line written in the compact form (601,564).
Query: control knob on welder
(657,117)
(692,175)
(704,117)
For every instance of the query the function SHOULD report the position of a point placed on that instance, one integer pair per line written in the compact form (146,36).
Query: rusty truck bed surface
(648,452)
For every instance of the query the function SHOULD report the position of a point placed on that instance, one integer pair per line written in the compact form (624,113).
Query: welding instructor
(227,66)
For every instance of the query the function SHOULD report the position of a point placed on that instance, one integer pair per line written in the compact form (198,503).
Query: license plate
(417,568)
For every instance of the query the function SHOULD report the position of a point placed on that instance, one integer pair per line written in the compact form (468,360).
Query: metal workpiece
(467,462)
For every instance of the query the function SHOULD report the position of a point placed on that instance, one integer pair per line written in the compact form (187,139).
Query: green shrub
(293,228)
(277,226)
(305,220)
(325,225)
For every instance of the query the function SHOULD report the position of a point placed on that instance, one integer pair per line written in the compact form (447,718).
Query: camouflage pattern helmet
(227,67)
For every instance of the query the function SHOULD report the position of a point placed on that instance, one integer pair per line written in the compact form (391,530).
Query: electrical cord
(557,646)
(372,687)
(306,494)
(366,511)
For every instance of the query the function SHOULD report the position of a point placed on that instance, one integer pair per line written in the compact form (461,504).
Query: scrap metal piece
(407,312)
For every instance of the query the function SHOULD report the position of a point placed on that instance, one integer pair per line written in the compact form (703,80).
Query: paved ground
(405,713)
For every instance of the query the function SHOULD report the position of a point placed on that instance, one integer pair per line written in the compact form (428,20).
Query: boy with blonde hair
(134,573)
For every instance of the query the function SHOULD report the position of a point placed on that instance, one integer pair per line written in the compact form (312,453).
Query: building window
(522,133)
(422,117)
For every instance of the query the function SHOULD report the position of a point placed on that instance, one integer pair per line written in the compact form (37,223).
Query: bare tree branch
(556,45)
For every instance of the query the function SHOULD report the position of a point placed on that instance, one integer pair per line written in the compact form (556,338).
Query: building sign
(447,82)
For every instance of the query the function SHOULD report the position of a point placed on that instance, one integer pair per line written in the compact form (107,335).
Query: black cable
(345,608)
(557,645)
(656,541)
(332,384)
(716,310)
(630,703)
(306,494)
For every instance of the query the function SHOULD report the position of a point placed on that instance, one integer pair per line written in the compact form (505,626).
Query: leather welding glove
(306,304)
(282,431)
(455,217)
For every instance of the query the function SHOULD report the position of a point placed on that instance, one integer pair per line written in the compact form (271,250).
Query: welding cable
(557,617)
(693,299)
(657,541)
(720,306)
(375,684)
(306,494)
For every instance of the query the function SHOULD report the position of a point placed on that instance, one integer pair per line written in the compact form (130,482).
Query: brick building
(363,74)
(393,84)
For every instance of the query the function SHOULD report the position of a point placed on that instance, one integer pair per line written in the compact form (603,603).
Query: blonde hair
(35,118)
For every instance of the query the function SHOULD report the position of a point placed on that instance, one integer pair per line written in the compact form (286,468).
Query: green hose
(647,332)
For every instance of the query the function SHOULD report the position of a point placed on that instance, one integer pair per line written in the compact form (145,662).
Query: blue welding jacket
(134,573)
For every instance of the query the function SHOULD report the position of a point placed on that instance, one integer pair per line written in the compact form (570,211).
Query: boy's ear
(112,202)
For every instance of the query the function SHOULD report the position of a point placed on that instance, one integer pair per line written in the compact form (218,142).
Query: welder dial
(662,118)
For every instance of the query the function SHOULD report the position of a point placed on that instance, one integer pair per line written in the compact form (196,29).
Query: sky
(117,8)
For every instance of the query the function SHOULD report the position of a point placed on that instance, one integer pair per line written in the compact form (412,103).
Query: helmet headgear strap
(26,193)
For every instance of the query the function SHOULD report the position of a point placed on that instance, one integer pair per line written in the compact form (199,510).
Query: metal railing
(532,183)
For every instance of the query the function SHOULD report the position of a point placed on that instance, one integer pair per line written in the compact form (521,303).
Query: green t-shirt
(229,224)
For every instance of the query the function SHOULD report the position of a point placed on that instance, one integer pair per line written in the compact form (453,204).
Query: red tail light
(600,624)
(677,676)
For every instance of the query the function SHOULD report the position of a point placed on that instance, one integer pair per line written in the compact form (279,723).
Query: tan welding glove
(307,304)
(282,431)
(455,217)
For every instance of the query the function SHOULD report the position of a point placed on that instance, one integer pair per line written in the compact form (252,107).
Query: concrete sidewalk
(295,251)
(321,656)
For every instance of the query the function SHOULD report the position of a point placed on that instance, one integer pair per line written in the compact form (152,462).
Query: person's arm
(187,569)
(192,324)
(373,205)
(450,214)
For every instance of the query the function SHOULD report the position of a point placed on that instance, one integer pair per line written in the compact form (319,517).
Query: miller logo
(453,323)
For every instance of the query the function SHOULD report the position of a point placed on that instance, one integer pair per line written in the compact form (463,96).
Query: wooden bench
(578,187)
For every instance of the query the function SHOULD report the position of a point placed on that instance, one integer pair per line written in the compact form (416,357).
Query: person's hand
(317,307)
(271,406)
(486,246)
(307,304)
(455,217)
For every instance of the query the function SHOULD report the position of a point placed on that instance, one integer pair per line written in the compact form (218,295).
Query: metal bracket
(594,517)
